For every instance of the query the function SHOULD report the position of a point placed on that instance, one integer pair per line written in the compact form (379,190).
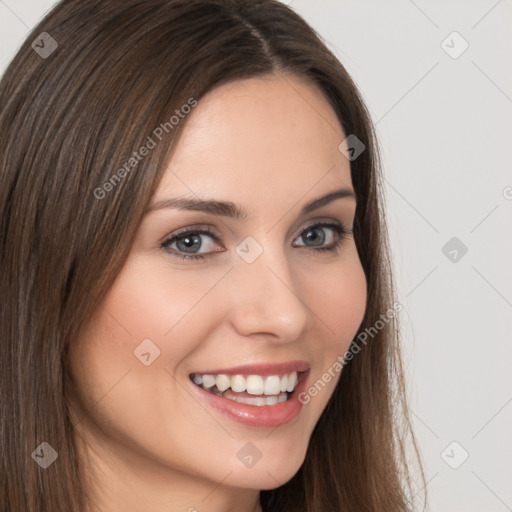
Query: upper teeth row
(253,384)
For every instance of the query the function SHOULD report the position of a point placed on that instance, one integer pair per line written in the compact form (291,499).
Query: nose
(266,298)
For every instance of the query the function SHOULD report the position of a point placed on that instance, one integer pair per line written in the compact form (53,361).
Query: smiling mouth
(254,390)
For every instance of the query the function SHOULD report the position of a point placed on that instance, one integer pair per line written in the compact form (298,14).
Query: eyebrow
(229,209)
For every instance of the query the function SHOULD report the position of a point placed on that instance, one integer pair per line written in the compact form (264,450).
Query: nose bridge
(266,293)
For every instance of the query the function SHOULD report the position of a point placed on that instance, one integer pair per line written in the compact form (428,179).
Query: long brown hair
(69,120)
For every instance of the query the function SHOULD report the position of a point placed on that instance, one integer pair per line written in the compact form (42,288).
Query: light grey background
(445,128)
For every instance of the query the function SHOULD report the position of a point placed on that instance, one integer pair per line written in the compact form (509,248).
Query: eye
(187,243)
(323,236)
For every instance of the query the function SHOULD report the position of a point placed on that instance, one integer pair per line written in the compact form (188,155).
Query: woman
(198,311)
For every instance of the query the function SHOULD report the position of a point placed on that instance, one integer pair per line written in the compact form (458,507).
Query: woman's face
(246,302)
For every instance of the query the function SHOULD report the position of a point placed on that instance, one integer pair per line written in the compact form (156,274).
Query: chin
(263,478)
(269,472)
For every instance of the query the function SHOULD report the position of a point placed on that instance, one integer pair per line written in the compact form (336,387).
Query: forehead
(258,137)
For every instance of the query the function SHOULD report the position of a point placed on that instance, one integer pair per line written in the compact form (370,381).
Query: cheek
(141,305)
(116,393)
(149,300)
(338,297)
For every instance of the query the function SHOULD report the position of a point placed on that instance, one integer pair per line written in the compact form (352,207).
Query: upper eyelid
(188,230)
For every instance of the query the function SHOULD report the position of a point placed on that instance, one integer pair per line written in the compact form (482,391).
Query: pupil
(315,238)
(189,242)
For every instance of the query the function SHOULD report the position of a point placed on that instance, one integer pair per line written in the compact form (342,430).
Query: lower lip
(263,416)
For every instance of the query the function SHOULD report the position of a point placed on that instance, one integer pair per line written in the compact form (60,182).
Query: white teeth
(238,383)
(292,381)
(208,381)
(271,385)
(271,400)
(254,385)
(223,382)
(284,383)
(259,400)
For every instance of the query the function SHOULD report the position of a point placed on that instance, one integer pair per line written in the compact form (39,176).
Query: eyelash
(339,229)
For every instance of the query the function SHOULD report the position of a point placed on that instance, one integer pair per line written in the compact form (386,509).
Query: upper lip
(263,369)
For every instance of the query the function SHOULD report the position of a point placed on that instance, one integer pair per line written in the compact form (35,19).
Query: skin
(270,145)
